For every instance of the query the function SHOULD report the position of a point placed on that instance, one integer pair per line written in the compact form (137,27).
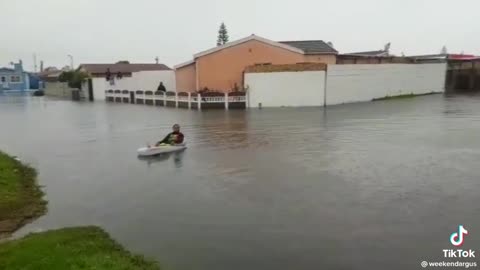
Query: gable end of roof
(249,38)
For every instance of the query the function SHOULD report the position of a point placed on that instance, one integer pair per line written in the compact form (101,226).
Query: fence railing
(179,99)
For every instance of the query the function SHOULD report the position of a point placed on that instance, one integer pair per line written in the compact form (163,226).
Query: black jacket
(177,141)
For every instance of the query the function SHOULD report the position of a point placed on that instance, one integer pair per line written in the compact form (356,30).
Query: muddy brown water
(377,185)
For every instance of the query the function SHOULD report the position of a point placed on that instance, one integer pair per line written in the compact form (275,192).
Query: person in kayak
(173,138)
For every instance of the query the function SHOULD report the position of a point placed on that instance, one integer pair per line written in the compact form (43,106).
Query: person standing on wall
(161,87)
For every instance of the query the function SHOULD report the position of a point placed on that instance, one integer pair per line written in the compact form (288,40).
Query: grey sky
(98,31)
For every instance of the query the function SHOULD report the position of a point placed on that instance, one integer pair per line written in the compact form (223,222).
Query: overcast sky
(99,31)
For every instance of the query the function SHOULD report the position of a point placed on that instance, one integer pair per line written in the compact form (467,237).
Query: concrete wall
(277,89)
(143,80)
(58,89)
(344,84)
(186,78)
(321,58)
(356,83)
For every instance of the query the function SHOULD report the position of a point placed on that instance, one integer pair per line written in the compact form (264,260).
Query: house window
(15,79)
(3,79)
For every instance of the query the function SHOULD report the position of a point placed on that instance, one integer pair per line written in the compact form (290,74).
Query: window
(3,79)
(15,79)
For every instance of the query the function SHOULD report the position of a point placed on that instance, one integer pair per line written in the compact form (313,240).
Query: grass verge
(21,199)
(403,96)
(70,249)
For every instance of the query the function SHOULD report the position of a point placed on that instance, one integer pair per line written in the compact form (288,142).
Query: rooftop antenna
(444,50)
(387,47)
(71,60)
(35,62)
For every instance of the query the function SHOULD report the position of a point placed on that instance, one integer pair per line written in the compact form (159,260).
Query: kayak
(161,149)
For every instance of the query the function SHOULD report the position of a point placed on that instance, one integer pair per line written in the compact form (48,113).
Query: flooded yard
(377,185)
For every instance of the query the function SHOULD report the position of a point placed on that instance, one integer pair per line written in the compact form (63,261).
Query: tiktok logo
(457,237)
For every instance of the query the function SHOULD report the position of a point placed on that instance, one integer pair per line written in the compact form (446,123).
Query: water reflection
(382,183)
(177,158)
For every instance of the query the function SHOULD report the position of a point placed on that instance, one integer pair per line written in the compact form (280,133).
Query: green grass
(21,199)
(70,249)
(402,96)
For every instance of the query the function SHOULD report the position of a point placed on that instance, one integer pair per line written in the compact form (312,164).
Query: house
(221,68)
(125,76)
(371,57)
(14,78)
(50,74)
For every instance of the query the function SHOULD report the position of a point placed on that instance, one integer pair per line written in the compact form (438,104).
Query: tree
(73,78)
(65,76)
(222,35)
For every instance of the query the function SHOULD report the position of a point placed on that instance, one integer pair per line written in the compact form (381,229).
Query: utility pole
(35,62)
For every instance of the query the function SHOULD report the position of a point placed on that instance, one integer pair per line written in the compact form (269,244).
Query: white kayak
(161,149)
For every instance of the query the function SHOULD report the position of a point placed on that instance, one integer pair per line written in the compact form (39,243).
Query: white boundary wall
(142,80)
(277,89)
(356,83)
(344,84)
(58,89)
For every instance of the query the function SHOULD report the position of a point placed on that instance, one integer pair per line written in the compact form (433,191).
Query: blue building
(14,79)
(34,81)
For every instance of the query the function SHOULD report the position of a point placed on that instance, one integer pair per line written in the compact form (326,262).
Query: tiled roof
(311,46)
(123,68)
(4,69)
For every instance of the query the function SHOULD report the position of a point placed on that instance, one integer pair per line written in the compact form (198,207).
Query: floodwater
(377,185)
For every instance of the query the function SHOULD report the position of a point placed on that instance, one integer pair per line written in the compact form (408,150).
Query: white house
(125,76)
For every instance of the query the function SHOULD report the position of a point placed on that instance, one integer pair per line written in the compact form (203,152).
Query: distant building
(221,68)
(14,78)
(49,74)
(373,59)
(125,76)
(370,57)
(370,53)
(426,58)
(34,80)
